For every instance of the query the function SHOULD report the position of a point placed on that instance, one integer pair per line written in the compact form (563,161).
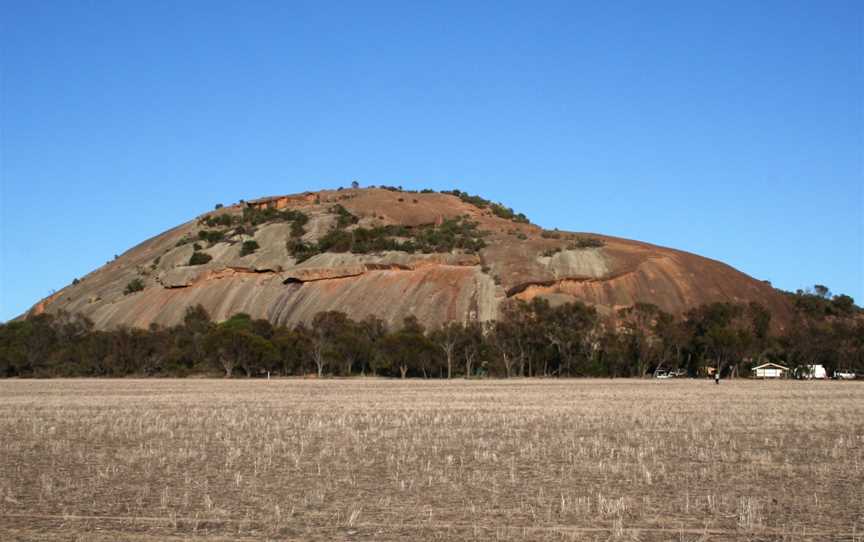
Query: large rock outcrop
(520,261)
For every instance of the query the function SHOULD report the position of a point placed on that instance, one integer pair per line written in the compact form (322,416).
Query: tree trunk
(507,365)
(403,370)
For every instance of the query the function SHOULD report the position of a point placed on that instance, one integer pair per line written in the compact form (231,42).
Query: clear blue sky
(729,129)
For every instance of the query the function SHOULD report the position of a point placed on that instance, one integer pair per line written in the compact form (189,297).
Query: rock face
(519,261)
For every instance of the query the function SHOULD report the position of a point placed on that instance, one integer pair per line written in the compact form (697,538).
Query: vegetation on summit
(456,233)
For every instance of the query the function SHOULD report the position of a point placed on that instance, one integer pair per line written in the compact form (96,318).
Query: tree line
(530,339)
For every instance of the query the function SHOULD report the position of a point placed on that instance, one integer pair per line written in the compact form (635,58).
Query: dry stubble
(381,459)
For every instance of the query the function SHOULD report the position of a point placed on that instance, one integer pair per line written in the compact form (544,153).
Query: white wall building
(770,370)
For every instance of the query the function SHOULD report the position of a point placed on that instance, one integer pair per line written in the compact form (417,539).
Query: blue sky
(728,129)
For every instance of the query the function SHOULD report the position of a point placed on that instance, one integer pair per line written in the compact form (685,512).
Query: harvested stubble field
(384,460)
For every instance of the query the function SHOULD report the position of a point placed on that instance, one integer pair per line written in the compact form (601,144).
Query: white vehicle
(662,375)
(815,372)
(844,375)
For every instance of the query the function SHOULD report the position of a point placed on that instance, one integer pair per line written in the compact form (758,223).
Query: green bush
(135,285)
(476,201)
(298,220)
(508,213)
(254,217)
(211,236)
(587,242)
(199,258)
(344,218)
(297,229)
(579,244)
(248,248)
(450,235)
(301,251)
(223,219)
(335,241)
(498,209)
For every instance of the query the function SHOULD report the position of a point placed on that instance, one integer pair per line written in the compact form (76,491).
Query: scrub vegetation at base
(530,339)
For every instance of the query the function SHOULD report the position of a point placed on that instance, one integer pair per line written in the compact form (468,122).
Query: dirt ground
(369,459)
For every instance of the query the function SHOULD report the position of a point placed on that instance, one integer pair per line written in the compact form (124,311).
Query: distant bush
(451,234)
(476,201)
(135,285)
(301,251)
(211,236)
(549,234)
(508,213)
(587,242)
(217,206)
(224,219)
(199,258)
(75,282)
(248,248)
(344,218)
(297,223)
(579,244)
(497,209)
(297,230)
(254,216)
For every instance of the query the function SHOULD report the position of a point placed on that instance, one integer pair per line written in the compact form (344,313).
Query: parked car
(844,375)
(662,374)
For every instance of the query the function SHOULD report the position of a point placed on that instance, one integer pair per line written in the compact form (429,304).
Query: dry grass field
(389,460)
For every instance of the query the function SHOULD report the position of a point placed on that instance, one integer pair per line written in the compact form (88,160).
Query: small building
(770,370)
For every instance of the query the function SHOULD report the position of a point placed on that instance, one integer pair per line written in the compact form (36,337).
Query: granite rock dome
(505,258)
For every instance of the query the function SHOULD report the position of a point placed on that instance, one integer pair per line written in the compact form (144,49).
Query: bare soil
(367,459)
